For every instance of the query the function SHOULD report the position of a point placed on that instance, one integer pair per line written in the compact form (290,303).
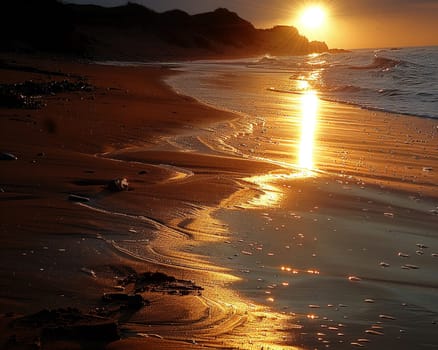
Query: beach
(258,252)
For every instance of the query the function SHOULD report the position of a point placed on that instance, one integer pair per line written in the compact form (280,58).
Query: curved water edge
(171,245)
(334,243)
(339,239)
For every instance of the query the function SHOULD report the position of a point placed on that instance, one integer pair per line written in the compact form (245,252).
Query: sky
(347,24)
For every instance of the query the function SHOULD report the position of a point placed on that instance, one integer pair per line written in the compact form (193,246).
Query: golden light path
(309,111)
(271,194)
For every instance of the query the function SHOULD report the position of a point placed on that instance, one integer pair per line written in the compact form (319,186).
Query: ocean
(397,80)
(279,97)
(343,238)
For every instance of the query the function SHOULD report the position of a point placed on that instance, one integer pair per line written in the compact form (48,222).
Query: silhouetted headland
(136,32)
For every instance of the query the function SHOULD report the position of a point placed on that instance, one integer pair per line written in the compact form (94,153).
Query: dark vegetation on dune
(134,31)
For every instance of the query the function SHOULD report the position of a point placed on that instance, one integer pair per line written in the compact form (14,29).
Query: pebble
(359,345)
(410,266)
(88,272)
(363,340)
(7,156)
(387,317)
(354,279)
(118,185)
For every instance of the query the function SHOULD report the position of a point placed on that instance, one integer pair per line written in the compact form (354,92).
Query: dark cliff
(135,32)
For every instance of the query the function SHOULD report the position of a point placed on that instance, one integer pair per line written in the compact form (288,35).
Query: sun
(312,17)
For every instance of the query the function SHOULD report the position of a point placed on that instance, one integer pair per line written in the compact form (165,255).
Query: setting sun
(312,17)
(312,21)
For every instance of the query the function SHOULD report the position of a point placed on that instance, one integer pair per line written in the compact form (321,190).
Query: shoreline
(398,183)
(140,215)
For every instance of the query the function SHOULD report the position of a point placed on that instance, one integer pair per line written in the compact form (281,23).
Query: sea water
(344,259)
(398,80)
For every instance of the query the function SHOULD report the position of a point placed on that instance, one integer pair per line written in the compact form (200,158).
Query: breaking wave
(401,81)
(380,63)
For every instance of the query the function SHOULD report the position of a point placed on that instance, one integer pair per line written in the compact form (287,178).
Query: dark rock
(130,301)
(28,94)
(337,51)
(155,277)
(7,156)
(160,282)
(118,185)
(11,99)
(77,198)
(71,324)
(142,172)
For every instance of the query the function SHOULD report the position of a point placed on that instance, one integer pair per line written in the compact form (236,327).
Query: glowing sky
(348,23)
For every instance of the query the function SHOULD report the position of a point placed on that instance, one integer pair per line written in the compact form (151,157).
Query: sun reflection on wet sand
(305,166)
(309,108)
(270,194)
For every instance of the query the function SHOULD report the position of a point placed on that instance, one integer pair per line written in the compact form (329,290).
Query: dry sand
(81,140)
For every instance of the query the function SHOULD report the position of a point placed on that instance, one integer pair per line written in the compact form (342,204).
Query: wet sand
(58,253)
(348,250)
(201,216)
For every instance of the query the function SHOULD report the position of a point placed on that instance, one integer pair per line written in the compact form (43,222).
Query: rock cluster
(28,94)
(70,323)
(160,282)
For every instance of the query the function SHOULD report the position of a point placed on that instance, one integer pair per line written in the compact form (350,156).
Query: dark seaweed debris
(160,282)
(28,94)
